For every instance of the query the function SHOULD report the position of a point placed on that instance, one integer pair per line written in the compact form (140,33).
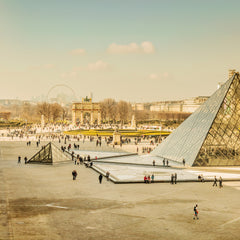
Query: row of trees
(115,111)
(53,112)
(32,112)
(112,111)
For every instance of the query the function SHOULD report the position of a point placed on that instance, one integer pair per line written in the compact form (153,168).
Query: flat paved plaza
(43,202)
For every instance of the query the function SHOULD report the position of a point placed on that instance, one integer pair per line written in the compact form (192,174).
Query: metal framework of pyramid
(211,135)
(49,154)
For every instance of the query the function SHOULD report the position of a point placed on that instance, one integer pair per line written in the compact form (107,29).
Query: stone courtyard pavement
(43,202)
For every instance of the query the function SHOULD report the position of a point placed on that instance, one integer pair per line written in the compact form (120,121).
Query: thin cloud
(91,67)
(145,47)
(98,66)
(78,51)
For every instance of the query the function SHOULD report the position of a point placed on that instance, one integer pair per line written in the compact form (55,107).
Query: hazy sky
(135,50)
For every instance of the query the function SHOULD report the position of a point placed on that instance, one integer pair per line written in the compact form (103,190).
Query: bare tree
(103,110)
(142,115)
(64,112)
(109,109)
(56,110)
(44,109)
(28,112)
(124,109)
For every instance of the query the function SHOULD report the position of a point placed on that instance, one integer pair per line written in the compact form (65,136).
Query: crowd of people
(148,179)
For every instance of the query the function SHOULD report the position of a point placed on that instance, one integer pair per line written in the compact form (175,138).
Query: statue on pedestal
(116,137)
(133,122)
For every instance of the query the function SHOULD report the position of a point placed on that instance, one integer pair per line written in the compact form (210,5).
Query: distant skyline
(135,50)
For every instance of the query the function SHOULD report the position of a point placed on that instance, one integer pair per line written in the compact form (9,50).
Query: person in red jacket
(145,179)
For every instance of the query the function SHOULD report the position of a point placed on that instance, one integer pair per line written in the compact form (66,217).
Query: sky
(132,50)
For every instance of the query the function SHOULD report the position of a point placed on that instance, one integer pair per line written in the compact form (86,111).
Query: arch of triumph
(86,112)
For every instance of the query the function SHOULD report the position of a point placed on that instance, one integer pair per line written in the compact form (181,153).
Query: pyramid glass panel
(43,156)
(226,152)
(210,136)
(50,154)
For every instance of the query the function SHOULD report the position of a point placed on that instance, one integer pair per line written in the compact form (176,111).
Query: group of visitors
(76,146)
(220,182)
(148,179)
(165,162)
(79,160)
(98,142)
(19,159)
(215,180)
(200,178)
(100,177)
(174,178)
(146,149)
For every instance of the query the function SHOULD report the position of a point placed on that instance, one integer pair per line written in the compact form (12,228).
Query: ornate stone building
(187,105)
(86,112)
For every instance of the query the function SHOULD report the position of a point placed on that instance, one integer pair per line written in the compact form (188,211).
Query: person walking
(148,179)
(167,163)
(172,178)
(183,161)
(145,179)
(25,160)
(195,212)
(152,178)
(100,177)
(19,159)
(214,182)
(220,182)
(74,174)
(175,178)
(107,175)
(153,162)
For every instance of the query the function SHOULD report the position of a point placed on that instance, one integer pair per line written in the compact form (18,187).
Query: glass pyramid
(210,136)
(49,154)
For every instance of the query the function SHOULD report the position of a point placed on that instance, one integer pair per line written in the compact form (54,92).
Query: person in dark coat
(220,182)
(172,178)
(100,178)
(175,178)
(19,159)
(183,161)
(74,174)
(215,181)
